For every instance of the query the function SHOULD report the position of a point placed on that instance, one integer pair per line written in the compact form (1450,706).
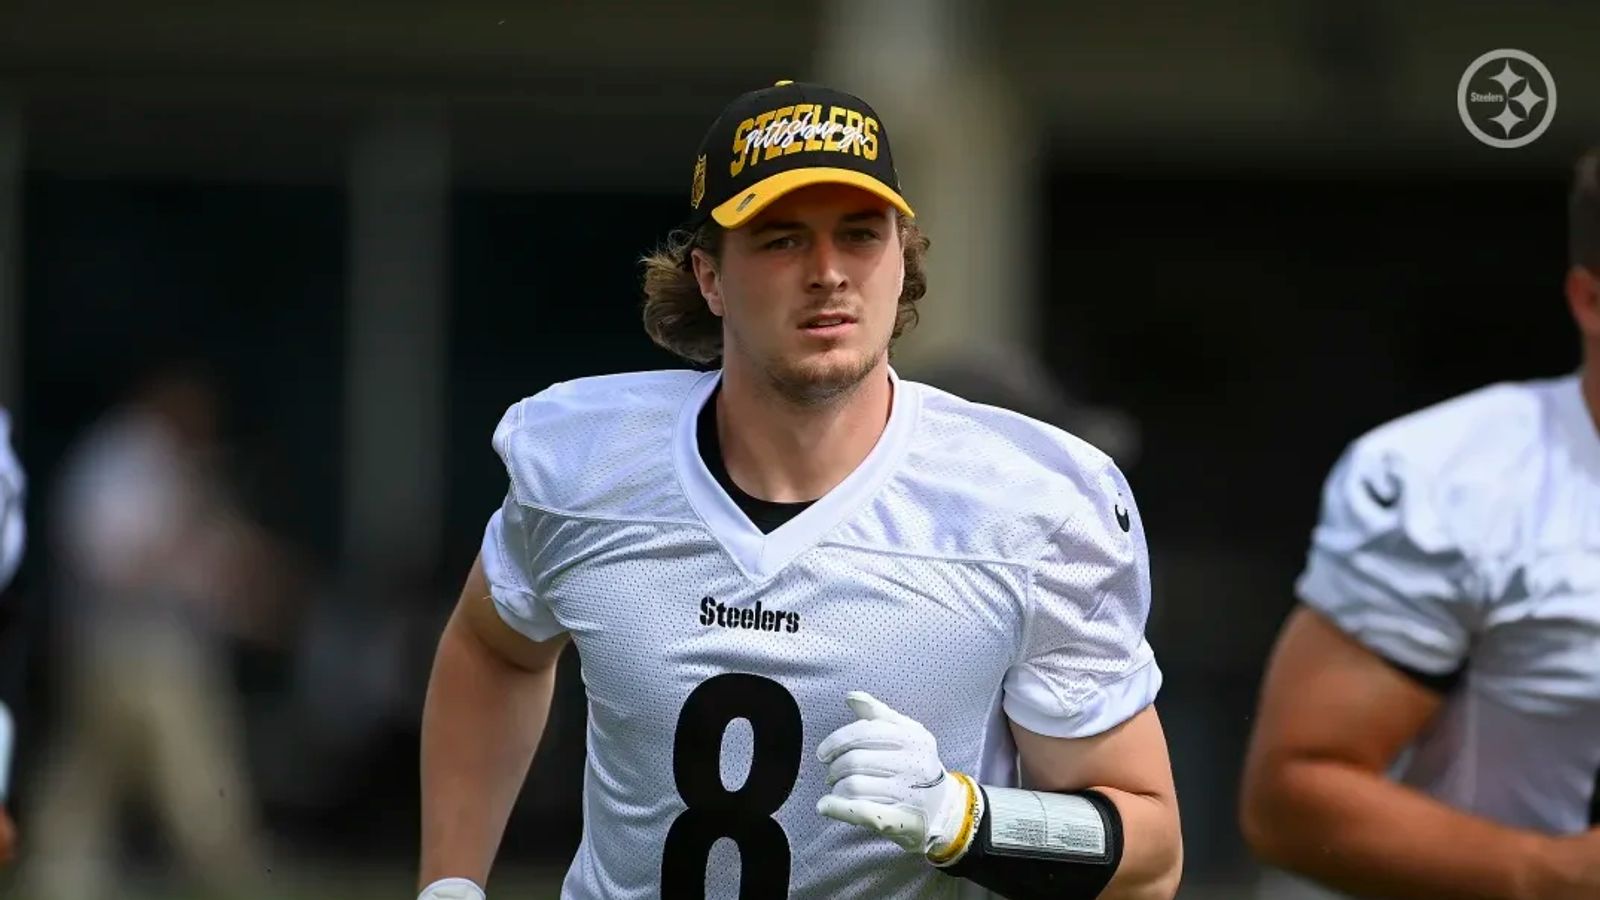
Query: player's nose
(826,271)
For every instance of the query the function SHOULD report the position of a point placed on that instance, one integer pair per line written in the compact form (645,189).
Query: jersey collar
(759,555)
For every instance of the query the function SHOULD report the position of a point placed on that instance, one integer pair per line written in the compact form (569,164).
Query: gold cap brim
(763,193)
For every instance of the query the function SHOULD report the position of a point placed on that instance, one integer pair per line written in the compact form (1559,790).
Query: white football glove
(452,889)
(886,776)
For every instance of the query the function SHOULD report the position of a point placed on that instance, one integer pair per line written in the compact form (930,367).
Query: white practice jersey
(11,494)
(1465,538)
(978,565)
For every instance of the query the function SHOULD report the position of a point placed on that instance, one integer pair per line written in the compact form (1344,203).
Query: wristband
(1032,844)
(1039,825)
(953,851)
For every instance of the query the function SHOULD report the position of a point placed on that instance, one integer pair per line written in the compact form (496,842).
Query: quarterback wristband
(1034,844)
(452,889)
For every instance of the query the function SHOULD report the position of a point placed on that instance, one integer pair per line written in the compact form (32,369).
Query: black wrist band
(1037,854)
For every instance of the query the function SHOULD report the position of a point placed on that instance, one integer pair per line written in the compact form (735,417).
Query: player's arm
(1128,766)
(1103,821)
(1333,716)
(1392,600)
(488,699)
(1080,708)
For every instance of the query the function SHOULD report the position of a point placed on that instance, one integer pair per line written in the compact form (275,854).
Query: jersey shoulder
(598,446)
(1477,436)
(992,483)
(1455,474)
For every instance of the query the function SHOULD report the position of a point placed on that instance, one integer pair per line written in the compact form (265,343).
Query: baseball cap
(771,141)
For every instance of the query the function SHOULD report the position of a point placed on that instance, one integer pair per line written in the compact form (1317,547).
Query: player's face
(808,291)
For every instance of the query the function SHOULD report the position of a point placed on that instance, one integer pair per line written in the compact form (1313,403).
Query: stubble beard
(810,384)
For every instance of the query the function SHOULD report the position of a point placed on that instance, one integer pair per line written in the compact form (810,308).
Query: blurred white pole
(967,158)
(11,152)
(396,342)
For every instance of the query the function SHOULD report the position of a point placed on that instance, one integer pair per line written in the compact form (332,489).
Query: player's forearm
(1152,847)
(481,724)
(1358,832)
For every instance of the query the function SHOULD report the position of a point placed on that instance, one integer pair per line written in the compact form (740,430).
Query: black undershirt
(1439,684)
(766,514)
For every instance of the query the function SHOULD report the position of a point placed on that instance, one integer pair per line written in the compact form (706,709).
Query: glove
(452,889)
(885,775)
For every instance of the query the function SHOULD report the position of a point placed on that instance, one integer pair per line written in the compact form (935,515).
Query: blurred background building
(1220,241)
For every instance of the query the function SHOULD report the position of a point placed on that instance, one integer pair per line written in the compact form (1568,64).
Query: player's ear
(1583,296)
(705,274)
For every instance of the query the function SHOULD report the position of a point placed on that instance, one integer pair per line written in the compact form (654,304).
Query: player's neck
(781,451)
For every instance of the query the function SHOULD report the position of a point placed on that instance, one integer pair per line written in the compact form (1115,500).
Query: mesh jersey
(977,565)
(1466,537)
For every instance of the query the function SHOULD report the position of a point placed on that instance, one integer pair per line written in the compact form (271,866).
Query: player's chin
(842,359)
(823,373)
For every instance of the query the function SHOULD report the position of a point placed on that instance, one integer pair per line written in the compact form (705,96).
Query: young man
(1430,723)
(825,615)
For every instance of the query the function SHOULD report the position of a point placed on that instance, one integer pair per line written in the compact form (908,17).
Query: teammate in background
(11,543)
(158,566)
(866,605)
(1430,721)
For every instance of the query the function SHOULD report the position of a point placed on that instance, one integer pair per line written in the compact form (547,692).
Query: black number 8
(745,815)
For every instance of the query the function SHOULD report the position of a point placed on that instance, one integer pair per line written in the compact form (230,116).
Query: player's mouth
(828,324)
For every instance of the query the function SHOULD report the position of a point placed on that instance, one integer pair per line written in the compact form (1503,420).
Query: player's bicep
(1327,697)
(1130,757)
(478,613)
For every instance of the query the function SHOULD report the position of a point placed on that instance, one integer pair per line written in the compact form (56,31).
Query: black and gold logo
(697,191)
(803,126)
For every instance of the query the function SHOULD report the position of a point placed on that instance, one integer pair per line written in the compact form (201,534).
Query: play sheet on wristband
(1029,823)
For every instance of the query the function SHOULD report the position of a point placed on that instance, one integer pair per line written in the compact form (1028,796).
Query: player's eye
(781,243)
(861,235)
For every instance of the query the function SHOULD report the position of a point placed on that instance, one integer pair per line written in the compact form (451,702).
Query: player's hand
(452,889)
(886,776)
(8,838)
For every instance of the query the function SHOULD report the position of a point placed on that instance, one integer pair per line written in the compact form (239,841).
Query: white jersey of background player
(1450,633)
(11,544)
(11,493)
(929,595)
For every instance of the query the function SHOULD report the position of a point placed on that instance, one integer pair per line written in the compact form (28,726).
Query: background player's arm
(1129,765)
(1333,716)
(488,699)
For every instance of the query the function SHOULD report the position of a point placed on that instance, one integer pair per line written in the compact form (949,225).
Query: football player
(829,620)
(1430,721)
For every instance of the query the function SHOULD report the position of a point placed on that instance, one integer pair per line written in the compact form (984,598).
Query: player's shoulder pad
(1016,479)
(1438,473)
(598,445)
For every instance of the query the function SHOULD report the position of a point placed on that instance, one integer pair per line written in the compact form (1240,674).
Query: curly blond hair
(677,317)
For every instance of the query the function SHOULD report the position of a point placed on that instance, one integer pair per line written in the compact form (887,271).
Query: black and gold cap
(769,142)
